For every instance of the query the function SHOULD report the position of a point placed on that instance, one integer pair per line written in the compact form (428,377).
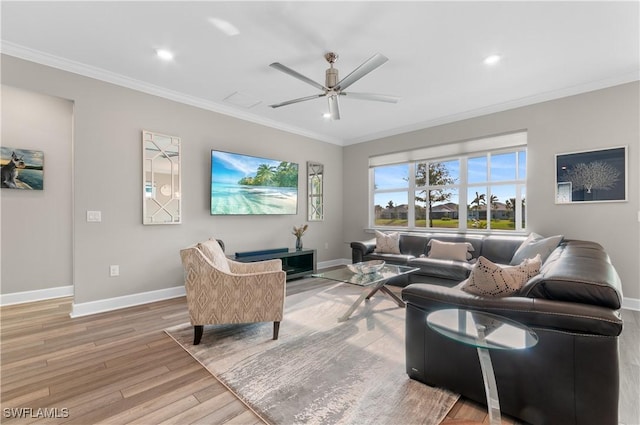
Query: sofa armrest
(361,248)
(533,312)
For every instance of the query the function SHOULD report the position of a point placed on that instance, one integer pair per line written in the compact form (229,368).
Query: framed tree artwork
(592,176)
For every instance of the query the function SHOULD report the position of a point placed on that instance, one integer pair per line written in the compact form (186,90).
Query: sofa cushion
(536,244)
(397,259)
(494,280)
(413,245)
(213,251)
(387,243)
(447,269)
(449,250)
(500,248)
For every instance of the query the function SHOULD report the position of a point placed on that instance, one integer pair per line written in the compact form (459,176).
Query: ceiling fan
(333,88)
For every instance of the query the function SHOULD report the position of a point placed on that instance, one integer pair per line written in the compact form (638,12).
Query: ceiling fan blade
(372,96)
(296,74)
(334,109)
(300,99)
(368,66)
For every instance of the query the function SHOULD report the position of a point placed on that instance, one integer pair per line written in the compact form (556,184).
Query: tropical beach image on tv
(246,185)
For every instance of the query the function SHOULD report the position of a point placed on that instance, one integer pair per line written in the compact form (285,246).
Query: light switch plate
(94,216)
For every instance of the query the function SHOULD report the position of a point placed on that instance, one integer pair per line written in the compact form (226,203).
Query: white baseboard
(36,295)
(109,304)
(631,303)
(333,263)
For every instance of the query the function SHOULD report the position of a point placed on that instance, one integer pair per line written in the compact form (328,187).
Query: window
(479,191)
(391,198)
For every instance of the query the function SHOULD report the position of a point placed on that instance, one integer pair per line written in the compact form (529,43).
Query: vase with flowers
(298,232)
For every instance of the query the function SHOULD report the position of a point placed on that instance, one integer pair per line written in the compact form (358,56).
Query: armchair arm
(255,267)
(533,312)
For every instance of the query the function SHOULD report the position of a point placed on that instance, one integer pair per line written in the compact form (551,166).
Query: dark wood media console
(295,263)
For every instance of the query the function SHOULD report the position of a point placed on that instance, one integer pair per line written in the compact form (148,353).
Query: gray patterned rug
(320,371)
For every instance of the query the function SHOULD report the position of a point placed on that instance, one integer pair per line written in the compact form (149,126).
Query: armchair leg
(276,329)
(197,334)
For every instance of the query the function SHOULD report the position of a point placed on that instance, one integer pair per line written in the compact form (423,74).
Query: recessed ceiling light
(164,54)
(225,27)
(492,60)
(326,115)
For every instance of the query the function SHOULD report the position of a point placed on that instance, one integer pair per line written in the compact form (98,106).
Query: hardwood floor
(120,367)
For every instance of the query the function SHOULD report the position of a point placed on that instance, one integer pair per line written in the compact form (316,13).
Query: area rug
(321,371)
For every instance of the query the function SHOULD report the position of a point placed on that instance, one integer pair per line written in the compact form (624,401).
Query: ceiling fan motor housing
(332,77)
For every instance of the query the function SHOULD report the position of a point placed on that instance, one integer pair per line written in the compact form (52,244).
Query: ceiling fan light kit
(333,87)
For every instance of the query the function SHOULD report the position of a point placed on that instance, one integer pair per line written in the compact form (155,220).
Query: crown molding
(42,58)
(54,61)
(500,107)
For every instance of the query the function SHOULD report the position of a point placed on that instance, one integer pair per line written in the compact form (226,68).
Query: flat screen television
(247,185)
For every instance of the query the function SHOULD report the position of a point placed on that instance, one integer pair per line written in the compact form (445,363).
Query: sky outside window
(391,177)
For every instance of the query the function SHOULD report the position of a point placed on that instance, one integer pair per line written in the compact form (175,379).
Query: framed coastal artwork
(21,169)
(592,176)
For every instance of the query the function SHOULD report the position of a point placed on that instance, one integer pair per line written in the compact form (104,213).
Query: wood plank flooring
(121,368)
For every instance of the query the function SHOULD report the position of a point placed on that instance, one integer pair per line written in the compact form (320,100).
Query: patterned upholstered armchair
(220,290)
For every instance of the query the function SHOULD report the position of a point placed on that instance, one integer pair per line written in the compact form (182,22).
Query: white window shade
(492,143)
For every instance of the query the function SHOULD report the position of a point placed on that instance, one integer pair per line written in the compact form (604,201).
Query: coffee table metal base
(367,294)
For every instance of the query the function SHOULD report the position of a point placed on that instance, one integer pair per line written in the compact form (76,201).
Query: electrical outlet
(94,216)
(114,270)
(326,245)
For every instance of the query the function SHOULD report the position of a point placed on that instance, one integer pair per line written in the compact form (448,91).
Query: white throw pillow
(448,250)
(470,248)
(213,251)
(387,243)
(493,280)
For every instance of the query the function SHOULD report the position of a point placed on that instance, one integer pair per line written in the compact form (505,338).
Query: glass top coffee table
(485,332)
(373,282)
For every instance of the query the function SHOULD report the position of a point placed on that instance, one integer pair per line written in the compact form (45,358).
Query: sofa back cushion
(414,245)
(500,249)
(577,271)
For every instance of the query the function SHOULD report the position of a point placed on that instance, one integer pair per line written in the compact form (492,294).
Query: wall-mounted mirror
(315,179)
(161,180)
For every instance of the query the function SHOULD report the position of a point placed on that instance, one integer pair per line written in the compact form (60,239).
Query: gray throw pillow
(534,245)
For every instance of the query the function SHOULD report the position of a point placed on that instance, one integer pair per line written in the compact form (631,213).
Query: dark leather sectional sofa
(570,377)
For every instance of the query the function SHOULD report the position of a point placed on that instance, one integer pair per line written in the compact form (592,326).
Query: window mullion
(411,198)
(462,195)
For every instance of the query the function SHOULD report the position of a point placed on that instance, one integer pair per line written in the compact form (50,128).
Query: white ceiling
(435,51)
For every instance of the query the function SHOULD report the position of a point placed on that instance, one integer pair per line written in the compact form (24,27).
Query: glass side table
(485,332)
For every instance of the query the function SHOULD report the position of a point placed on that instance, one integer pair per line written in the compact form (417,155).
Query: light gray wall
(36,224)
(599,119)
(108,121)
(107,164)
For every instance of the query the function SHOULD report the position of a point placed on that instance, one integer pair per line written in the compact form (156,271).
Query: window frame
(462,186)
